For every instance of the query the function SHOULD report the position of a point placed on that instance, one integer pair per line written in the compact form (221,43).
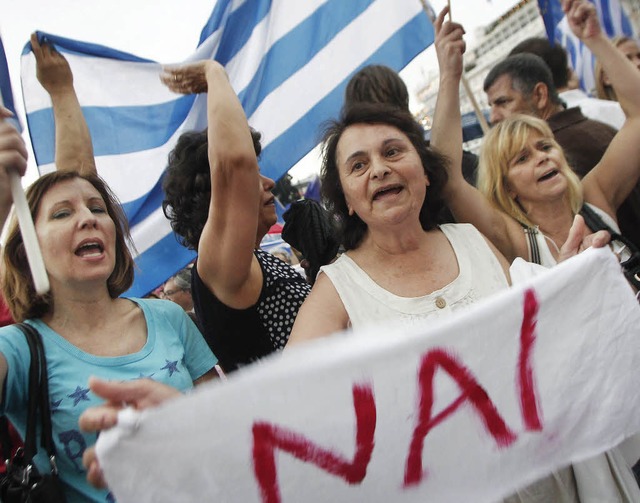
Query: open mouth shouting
(387,191)
(548,175)
(90,248)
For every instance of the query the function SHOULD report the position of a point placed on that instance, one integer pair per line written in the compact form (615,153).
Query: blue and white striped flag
(612,18)
(288,60)
(6,94)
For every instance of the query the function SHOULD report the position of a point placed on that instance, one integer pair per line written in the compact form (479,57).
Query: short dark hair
(187,185)
(17,285)
(377,84)
(553,55)
(351,228)
(526,70)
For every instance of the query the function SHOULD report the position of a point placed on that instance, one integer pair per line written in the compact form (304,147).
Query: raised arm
(614,177)
(226,262)
(465,201)
(74,149)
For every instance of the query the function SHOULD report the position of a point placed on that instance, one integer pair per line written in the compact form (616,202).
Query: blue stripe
(115,130)
(627,29)
(239,26)
(552,14)
(5,81)
(70,46)
(157,264)
(293,144)
(139,209)
(297,48)
(216,19)
(571,49)
(607,22)
(44,142)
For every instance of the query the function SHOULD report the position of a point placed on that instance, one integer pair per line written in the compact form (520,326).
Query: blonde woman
(524,177)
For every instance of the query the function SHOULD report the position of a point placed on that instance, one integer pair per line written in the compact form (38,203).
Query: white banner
(468,408)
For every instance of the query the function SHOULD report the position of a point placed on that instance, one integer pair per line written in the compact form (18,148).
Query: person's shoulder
(157,305)
(461,228)
(10,330)
(574,119)
(12,336)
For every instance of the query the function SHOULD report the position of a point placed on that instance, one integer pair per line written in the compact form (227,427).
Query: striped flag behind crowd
(288,60)
(613,20)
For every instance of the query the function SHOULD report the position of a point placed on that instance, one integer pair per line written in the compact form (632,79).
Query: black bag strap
(595,223)
(38,398)
(6,442)
(532,243)
(30,448)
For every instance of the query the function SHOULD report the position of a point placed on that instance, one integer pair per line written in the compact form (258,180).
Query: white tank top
(366,302)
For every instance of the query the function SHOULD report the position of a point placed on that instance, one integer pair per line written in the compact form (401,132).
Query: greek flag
(288,61)
(613,20)
(6,94)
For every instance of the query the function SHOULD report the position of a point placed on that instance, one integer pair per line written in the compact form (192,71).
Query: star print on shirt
(171,367)
(150,376)
(79,395)
(54,406)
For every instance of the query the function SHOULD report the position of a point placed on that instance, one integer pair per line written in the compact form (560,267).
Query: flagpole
(465,83)
(29,238)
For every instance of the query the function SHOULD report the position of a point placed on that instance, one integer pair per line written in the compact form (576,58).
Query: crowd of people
(404,233)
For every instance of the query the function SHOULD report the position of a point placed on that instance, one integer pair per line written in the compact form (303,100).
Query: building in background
(494,42)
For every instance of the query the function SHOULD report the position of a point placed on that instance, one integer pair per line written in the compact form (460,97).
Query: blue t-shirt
(175,354)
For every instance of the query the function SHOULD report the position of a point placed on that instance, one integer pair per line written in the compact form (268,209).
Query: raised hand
(582,18)
(52,68)
(187,79)
(580,238)
(450,45)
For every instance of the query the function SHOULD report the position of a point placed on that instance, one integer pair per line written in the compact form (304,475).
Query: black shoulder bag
(631,266)
(22,482)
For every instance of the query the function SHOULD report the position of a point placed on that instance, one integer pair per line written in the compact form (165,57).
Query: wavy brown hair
(17,284)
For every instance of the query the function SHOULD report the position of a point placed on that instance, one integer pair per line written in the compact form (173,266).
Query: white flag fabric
(466,408)
(613,20)
(288,60)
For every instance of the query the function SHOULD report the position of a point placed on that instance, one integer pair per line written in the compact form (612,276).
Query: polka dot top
(241,336)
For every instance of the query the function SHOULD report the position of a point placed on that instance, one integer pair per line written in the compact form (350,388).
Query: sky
(167,31)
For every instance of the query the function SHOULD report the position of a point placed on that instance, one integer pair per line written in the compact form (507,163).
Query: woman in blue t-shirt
(86,328)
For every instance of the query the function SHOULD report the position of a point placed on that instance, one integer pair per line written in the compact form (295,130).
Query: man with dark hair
(609,112)
(523,84)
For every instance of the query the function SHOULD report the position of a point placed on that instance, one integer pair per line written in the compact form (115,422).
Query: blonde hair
(606,91)
(503,142)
